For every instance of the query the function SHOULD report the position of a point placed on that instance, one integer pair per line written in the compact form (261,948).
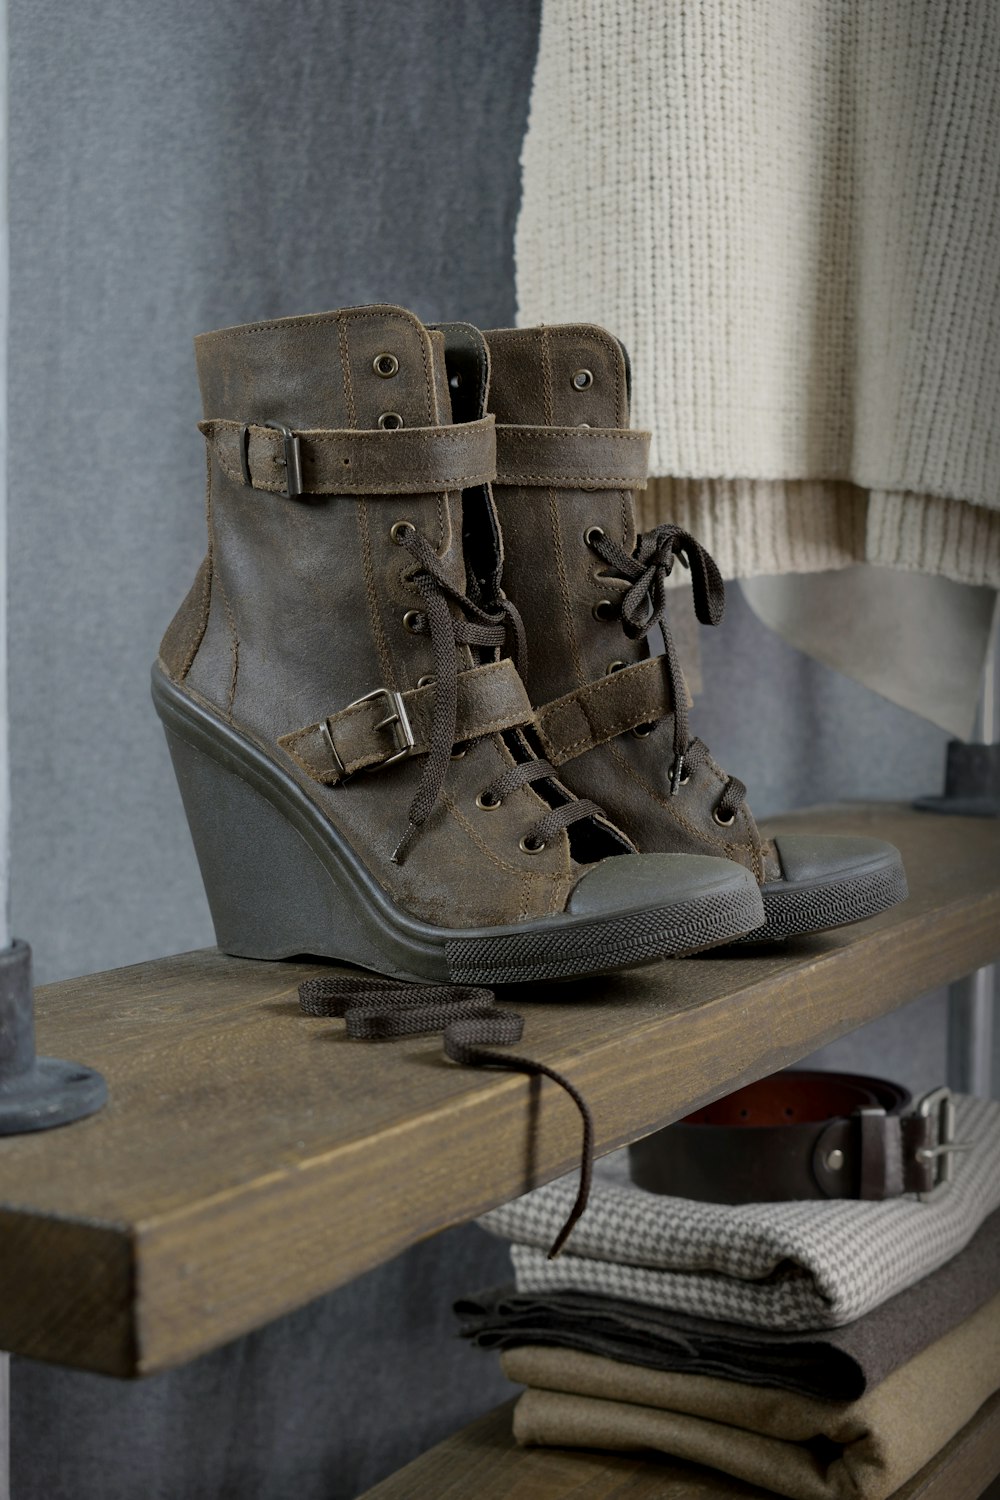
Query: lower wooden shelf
(483,1460)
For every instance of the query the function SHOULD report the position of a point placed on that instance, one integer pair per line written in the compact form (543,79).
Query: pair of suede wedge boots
(422,698)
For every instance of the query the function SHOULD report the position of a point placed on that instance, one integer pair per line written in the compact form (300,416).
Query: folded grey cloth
(839,1364)
(793,1265)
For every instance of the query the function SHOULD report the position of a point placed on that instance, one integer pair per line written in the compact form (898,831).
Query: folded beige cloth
(794,1445)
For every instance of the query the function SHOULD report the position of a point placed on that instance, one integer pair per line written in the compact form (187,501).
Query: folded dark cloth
(835,1364)
(791,1444)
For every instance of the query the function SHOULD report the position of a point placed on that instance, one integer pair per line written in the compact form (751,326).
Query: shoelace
(472,1023)
(483,629)
(644,606)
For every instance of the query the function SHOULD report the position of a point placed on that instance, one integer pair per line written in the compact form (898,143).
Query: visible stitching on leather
(234,647)
(700,833)
(578,481)
(206,593)
(523,432)
(485,848)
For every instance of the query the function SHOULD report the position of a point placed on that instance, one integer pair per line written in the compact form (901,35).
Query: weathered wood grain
(484,1461)
(251,1158)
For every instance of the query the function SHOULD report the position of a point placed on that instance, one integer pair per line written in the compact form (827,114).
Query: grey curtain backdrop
(178,167)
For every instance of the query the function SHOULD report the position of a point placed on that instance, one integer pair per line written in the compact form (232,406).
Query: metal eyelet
(398,530)
(684,779)
(487,803)
(582,379)
(425,681)
(534,847)
(460,754)
(390,421)
(603,610)
(593,534)
(643,731)
(614,666)
(455,380)
(412,621)
(385,365)
(723,822)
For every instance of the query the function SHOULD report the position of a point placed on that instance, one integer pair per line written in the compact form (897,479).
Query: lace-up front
(644,606)
(483,630)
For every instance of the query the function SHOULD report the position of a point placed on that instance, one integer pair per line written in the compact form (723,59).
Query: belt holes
(385,365)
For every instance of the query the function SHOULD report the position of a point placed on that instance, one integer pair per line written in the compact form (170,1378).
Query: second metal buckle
(939,1101)
(397,718)
(292,458)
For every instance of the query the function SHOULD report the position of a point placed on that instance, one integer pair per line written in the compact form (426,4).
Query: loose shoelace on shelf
(473,1025)
(644,606)
(485,630)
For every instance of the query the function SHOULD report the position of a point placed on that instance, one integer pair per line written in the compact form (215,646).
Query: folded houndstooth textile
(793,1445)
(769,1265)
(835,1364)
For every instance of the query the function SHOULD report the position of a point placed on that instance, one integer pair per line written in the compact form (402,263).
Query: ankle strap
(386,726)
(573,458)
(602,710)
(401,461)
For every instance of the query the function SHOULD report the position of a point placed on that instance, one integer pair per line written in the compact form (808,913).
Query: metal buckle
(292,458)
(940,1102)
(397,718)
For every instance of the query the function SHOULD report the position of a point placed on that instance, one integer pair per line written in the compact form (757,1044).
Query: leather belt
(804,1134)
(600,711)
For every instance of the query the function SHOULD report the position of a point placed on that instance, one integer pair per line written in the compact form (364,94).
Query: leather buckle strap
(601,710)
(395,461)
(807,1135)
(572,458)
(384,727)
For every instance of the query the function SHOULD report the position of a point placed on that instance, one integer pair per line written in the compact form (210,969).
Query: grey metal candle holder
(36,1093)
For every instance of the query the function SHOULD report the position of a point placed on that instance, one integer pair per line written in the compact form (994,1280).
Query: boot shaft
(309,597)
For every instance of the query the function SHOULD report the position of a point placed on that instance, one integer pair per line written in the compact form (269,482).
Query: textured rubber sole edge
(792,912)
(232,792)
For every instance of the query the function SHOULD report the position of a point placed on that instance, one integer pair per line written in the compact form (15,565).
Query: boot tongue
(559,376)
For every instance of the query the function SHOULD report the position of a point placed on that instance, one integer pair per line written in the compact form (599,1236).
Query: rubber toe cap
(642,882)
(809,859)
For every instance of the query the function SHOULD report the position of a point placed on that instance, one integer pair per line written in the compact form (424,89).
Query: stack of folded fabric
(820,1349)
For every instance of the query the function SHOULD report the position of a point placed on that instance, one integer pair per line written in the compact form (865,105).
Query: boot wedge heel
(281,881)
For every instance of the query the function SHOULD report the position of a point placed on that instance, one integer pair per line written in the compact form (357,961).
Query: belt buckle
(397,718)
(291,457)
(939,1103)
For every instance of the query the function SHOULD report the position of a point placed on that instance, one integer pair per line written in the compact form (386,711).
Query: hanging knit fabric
(789,212)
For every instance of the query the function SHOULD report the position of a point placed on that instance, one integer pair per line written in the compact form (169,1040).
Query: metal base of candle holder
(36,1093)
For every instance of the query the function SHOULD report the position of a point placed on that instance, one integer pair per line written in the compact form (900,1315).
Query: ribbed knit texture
(789,211)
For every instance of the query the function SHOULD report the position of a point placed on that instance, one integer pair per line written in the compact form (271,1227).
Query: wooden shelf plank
(251,1159)
(483,1460)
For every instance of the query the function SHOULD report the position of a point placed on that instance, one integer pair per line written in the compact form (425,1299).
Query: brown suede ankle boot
(348,735)
(611,702)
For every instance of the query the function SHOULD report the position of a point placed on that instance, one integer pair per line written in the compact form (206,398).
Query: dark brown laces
(473,1024)
(484,630)
(644,606)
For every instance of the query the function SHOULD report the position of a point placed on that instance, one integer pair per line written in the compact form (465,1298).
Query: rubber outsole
(793,911)
(282,881)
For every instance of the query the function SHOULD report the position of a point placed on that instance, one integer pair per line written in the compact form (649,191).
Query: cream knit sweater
(789,212)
